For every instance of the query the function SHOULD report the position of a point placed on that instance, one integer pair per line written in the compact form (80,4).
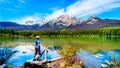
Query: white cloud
(91,7)
(55,14)
(29,20)
(81,8)
(86,8)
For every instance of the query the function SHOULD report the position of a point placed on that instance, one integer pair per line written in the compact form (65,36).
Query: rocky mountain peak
(93,18)
(64,20)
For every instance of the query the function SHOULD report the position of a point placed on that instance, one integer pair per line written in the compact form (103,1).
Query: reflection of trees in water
(112,35)
(112,38)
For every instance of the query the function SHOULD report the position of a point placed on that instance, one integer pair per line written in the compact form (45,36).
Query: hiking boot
(34,59)
(38,59)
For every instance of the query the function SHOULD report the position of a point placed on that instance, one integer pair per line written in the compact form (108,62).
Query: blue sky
(21,11)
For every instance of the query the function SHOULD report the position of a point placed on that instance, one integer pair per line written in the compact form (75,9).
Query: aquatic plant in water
(5,54)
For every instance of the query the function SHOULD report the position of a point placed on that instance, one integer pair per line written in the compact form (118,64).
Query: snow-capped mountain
(64,22)
(73,23)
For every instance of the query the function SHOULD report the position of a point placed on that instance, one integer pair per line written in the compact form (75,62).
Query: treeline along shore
(95,32)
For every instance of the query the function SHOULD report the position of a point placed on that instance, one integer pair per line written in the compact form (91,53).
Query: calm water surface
(86,44)
(83,43)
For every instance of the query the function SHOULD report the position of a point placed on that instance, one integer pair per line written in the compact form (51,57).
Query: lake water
(91,44)
(92,47)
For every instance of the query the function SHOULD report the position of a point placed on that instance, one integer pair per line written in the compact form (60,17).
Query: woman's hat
(37,36)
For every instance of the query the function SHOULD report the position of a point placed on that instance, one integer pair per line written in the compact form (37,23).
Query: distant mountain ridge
(15,26)
(95,23)
(64,22)
(73,23)
(8,24)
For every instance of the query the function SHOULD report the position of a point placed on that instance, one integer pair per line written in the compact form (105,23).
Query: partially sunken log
(40,64)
